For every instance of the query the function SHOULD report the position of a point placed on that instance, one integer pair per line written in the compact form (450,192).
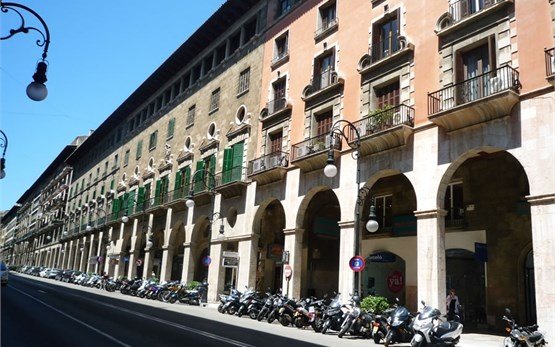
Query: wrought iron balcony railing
(323,80)
(326,25)
(267,162)
(473,89)
(381,120)
(462,9)
(313,145)
(550,61)
(234,174)
(276,105)
(384,48)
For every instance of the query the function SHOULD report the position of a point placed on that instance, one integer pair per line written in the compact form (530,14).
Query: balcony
(550,65)
(462,13)
(324,83)
(176,198)
(280,58)
(275,108)
(476,100)
(383,129)
(384,52)
(311,154)
(268,168)
(231,183)
(199,187)
(327,28)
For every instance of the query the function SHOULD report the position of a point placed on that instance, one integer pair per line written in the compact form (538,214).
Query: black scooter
(333,315)
(399,327)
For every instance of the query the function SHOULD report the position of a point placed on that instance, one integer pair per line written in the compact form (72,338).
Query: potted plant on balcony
(379,119)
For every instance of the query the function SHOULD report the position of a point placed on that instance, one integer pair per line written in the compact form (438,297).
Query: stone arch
(301,212)
(259,212)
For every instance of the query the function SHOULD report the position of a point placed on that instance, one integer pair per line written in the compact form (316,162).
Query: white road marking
(159,320)
(74,319)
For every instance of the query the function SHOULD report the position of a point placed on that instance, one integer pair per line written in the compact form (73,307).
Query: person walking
(453,304)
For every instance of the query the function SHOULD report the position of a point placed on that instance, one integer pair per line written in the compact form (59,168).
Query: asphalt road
(37,313)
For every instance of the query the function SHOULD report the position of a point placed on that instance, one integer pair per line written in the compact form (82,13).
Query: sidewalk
(210,312)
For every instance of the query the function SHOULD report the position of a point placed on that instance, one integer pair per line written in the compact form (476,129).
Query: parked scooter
(430,330)
(309,313)
(379,325)
(356,321)
(267,308)
(399,327)
(522,336)
(333,315)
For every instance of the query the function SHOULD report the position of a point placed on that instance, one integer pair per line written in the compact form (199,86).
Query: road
(37,313)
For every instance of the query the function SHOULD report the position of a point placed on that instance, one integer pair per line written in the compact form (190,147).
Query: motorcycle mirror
(423,303)
(507,311)
(397,300)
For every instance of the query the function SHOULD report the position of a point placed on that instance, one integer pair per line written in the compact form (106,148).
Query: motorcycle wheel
(378,336)
(231,310)
(344,328)
(325,327)
(317,325)
(172,299)
(417,343)
(221,308)
(165,296)
(298,322)
(389,338)
(141,295)
(261,315)
(285,319)
(272,317)
(253,314)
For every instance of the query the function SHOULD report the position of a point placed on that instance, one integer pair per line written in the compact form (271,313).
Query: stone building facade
(445,110)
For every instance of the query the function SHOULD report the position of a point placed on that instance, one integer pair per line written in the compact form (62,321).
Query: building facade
(444,117)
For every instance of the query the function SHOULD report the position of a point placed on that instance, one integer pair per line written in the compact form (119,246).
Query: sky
(100,52)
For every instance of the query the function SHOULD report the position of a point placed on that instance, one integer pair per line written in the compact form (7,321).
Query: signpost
(206,260)
(357,263)
(287,272)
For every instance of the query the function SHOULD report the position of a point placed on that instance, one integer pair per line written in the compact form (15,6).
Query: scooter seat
(535,337)
(445,328)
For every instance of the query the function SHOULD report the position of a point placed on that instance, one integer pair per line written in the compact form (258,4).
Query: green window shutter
(211,183)
(237,161)
(227,166)
(125,203)
(111,184)
(131,201)
(147,192)
(199,177)
(101,189)
(171,127)
(139,149)
(157,192)
(177,186)
(140,199)
(187,176)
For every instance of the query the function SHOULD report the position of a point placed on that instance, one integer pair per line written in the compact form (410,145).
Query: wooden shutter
(228,165)
(157,192)
(131,202)
(199,176)
(140,198)
(187,177)
(237,161)
(212,169)
(177,185)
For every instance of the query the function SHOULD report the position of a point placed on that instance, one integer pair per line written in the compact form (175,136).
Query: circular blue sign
(357,263)
(206,261)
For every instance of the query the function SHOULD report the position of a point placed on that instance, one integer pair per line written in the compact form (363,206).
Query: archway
(321,241)
(199,248)
(485,189)
(269,223)
(176,251)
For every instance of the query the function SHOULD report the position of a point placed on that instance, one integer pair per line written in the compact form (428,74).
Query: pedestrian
(453,304)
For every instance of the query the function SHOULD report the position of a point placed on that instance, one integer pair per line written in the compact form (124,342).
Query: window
(470,65)
(387,95)
(250,29)
(244,81)
(181,184)
(116,160)
(324,123)
(171,128)
(191,115)
(284,6)
(385,37)
(279,101)
(276,142)
(152,141)
(327,18)
(220,53)
(324,65)
(208,63)
(281,47)
(454,203)
(200,178)
(139,149)
(235,42)
(215,100)
(126,158)
(383,210)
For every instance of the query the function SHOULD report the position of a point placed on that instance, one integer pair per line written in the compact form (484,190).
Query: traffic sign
(357,263)
(287,271)
(206,260)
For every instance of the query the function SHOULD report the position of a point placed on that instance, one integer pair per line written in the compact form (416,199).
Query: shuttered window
(171,128)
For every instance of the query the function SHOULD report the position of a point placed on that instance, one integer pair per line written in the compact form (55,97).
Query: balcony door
(472,70)
(385,38)
(323,67)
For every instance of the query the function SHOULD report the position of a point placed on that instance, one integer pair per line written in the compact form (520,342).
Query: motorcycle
(522,336)
(267,308)
(356,321)
(309,313)
(379,325)
(430,330)
(399,327)
(333,315)
(256,304)
(276,306)
(191,296)
(244,301)
(232,303)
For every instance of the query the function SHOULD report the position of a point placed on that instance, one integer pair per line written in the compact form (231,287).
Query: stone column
(83,255)
(188,264)
(69,264)
(134,253)
(149,254)
(100,250)
(430,239)
(215,272)
(91,267)
(542,210)
(166,268)
(346,252)
(294,245)
(109,250)
(248,252)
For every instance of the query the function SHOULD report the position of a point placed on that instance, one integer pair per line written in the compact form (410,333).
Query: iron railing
(267,162)
(280,56)
(472,89)
(462,9)
(384,48)
(550,61)
(381,120)
(313,145)
(276,105)
(323,80)
(326,25)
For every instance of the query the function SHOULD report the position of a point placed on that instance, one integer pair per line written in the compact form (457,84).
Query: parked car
(4,274)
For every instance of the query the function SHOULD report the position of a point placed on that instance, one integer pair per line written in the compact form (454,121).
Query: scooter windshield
(429,312)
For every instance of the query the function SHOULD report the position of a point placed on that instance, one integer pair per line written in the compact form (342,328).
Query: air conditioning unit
(257,165)
(497,84)
(302,151)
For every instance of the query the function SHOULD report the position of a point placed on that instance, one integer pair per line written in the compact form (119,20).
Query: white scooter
(430,330)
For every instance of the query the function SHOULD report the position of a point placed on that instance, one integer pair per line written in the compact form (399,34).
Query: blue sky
(100,52)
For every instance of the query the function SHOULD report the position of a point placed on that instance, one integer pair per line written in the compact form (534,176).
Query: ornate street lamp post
(339,129)
(4,146)
(36,90)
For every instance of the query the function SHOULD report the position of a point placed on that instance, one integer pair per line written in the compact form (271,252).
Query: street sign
(229,254)
(230,262)
(287,271)
(357,263)
(206,261)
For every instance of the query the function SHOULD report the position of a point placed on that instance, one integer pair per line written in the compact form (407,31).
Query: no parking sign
(357,263)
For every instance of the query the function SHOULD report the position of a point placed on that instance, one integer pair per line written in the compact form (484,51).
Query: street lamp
(4,145)
(339,129)
(36,90)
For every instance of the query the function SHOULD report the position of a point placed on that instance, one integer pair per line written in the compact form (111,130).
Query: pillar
(294,245)
(109,250)
(430,240)
(91,266)
(83,255)
(100,251)
(166,268)
(215,272)
(70,256)
(188,264)
(346,252)
(134,253)
(149,254)
(542,210)
(248,254)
